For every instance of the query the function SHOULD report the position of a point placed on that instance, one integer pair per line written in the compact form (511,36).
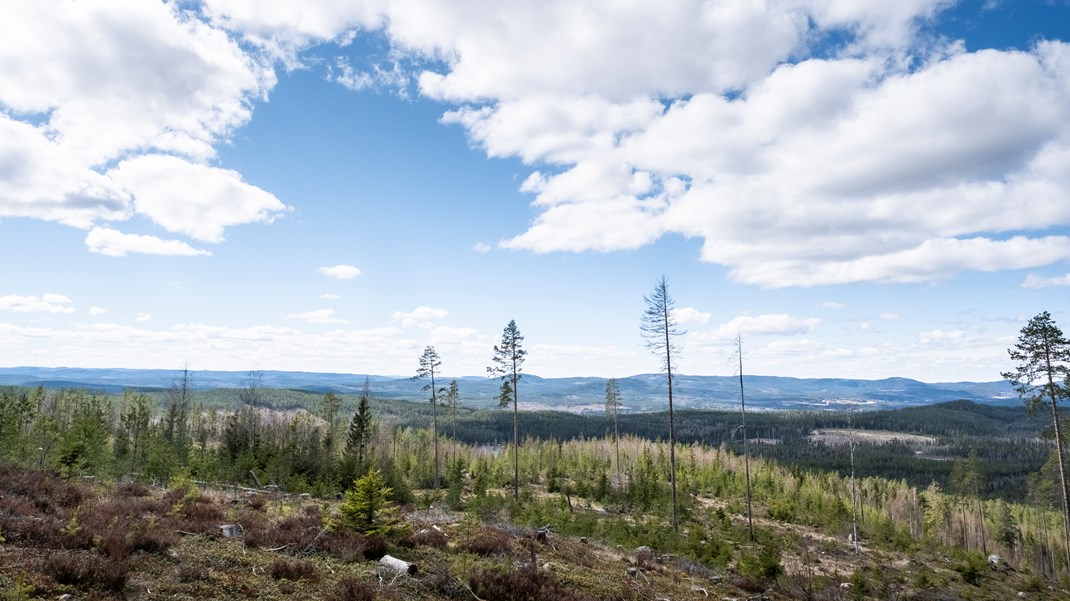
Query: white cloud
(114,243)
(191,199)
(340,272)
(97,311)
(481,247)
(888,316)
(778,324)
(330,296)
(1034,280)
(941,336)
(76,102)
(795,172)
(832,305)
(143,317)
(686,315)
(321,316)
(46,303)
(422,317)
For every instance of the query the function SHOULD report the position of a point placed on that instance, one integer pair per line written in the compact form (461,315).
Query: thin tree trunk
(746,456)
(616,442)
(672,425)
(1062,467)
(516,437)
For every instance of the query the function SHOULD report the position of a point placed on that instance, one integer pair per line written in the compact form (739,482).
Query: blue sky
(858,189)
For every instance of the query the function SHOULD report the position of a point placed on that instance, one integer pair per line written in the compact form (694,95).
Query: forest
(981,485)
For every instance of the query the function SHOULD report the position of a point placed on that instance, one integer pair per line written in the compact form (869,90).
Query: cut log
(400,565)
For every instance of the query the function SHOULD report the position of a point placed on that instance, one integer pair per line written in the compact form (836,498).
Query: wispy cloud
(143,317)
(114,243)
(330,296)
(780,324)
(1034,280)
(46,303)
(481,247)
(340,272)
(321,316)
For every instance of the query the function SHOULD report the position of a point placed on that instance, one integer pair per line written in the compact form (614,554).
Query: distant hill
(644,392)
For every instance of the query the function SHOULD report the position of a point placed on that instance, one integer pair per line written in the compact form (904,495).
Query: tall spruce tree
(508,360)
(659,329)
(360,431)
(429,365)
(1041,378)
(613,406)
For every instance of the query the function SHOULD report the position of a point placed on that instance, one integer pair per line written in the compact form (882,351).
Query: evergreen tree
(659,329)
(613,406)
(367,503)
(359,432)
(429,365)
(508,361)
(1041,377)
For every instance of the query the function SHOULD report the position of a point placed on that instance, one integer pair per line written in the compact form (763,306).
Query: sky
(855,189)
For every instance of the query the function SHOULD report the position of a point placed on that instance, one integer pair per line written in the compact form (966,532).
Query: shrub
(88,571)
(348,546)
(763,565)
(490,542)
(972,568)
(351,588)
(522,585)
(427,537)
(294,569)
(298,532)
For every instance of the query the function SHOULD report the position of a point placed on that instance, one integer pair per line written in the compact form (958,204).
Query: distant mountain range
(645,392)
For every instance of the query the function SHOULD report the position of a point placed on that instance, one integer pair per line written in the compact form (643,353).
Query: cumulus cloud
(422,317)
(143,317)
(686,315)
(888,158)
(114,243)
(94,311)
(75,102)
(191,199)
(321,316)
(339,272)
(46,303)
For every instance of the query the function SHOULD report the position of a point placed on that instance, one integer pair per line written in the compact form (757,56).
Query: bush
(763,565)
(298,532)
(427,537)
(350,588)
(348,546)
(522,585)
(972,568)
(291,569)
(490,542)
(88,571)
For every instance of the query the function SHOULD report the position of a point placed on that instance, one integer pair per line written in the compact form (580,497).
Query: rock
(1022,594)
(994,559)
(229,530)
(583,539)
